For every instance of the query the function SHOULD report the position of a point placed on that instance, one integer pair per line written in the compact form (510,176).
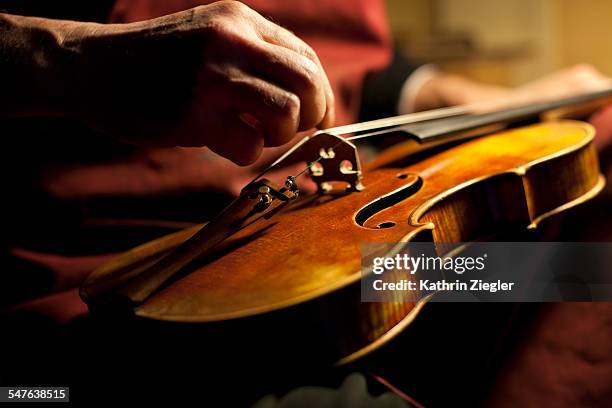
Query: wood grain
(307,259)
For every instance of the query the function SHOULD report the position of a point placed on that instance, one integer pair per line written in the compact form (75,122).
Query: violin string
(305,169)
(377,127)
(387,122)
(403,119)
(312,163)
(355,139)
(474,107)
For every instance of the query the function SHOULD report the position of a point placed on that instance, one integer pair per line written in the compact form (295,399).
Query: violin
(290,265)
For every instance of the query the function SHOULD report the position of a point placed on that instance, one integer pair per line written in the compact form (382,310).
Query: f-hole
(387,201)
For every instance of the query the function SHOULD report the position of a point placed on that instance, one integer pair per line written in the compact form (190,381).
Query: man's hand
(220,76)
(444,89)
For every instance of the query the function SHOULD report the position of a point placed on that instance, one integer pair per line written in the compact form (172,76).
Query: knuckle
(232,7)
(309,53)
(199,10)
(313,92)
(583,69)
(310,73)
(309,79)
(234,83)
(282,125)
(290,106)
(225,38)
(219,29)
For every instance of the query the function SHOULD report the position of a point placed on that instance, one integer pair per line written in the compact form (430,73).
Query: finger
(293,72)
(237,142)
(276,111)
(329,119)
(270,154)
(280,36)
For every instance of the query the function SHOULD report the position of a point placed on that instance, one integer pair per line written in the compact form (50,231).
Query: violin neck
(435,130)
(453,123)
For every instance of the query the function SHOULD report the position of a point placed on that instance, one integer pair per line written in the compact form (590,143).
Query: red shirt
(350,37)
(87,184)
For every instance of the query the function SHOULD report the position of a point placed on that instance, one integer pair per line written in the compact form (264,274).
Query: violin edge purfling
(371,325)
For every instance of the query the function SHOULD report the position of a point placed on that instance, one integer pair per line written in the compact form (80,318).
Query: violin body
(296,276)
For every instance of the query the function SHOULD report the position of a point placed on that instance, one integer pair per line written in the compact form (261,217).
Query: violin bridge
(333,163)
(336,167)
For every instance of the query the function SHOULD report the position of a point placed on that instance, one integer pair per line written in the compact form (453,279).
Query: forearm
(445,89)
